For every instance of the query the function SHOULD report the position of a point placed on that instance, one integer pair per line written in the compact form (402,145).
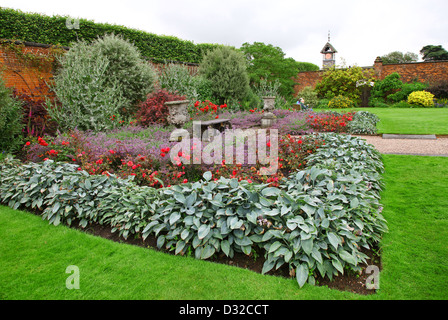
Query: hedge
(34,27)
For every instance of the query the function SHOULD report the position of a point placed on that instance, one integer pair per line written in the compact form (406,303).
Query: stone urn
(178,112)
(268,117)
(269,103)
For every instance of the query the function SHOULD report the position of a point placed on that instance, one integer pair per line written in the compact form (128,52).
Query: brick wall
(420,71)
(24,75)
(31,79)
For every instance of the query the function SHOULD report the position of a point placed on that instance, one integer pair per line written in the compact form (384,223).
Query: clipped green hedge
(34,27)
(318,220)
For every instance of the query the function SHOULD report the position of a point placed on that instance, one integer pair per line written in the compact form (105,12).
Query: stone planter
(269,103)
(178,113)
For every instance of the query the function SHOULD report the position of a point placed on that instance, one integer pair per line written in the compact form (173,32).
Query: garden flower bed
(315,222)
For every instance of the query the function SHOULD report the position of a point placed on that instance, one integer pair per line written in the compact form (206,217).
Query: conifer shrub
(10,120)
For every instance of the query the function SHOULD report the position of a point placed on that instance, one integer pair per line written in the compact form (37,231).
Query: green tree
(399,57)
(269,63)
(433,53)
(226,70)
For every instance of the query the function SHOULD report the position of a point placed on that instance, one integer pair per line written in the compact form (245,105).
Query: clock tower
(328,53)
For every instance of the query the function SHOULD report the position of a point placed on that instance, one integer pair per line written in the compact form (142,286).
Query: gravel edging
(424,147)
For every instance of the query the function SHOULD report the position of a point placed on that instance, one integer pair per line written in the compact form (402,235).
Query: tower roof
(328,48)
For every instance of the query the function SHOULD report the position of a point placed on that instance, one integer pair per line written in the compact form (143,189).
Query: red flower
(130,163)
(42,142)
(111,151)
(134,167)
(196,104)
(28,143)
(185,181)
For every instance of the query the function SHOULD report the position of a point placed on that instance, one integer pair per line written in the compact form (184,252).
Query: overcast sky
(360,30)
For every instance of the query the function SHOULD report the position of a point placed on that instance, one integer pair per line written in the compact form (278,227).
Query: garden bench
(200,127)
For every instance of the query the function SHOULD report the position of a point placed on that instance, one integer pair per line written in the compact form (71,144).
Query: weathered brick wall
(307,79)
(30,79)
(25,75)
(420,71)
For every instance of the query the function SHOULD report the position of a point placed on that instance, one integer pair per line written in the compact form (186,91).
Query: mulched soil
(348,282)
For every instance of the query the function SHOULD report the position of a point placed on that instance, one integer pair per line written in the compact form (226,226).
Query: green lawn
(34,255)
(411,120)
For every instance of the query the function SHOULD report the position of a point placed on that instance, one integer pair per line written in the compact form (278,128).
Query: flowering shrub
(153,110)
(421,98)
(330,121)
(340,102)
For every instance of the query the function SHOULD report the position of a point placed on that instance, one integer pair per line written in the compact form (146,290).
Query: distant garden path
(428,147)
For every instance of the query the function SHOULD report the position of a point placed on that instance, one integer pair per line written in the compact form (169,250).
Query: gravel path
(438,147)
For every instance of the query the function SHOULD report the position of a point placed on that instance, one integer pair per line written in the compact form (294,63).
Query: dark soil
(350,281)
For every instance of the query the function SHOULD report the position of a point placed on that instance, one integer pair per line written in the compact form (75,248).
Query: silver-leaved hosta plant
(317,221)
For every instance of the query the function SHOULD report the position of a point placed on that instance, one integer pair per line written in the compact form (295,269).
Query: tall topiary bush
(10,120)
(226,69)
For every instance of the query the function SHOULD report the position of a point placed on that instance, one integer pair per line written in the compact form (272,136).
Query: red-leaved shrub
(153,109)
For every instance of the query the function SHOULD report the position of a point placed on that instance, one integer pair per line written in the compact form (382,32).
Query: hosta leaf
(179,197)
(309,210)
(334,239)
(174,217)
(246,249)
(225,247)
(271,191)
(347,257)
(302,274)
(203,231)
(160,241)
(354,203)
(267,266)
(184,234)
(274,246)
(307,245)
(207,252)
(179,246)
(337,264)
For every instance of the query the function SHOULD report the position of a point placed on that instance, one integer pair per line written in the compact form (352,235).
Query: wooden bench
(199,127)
